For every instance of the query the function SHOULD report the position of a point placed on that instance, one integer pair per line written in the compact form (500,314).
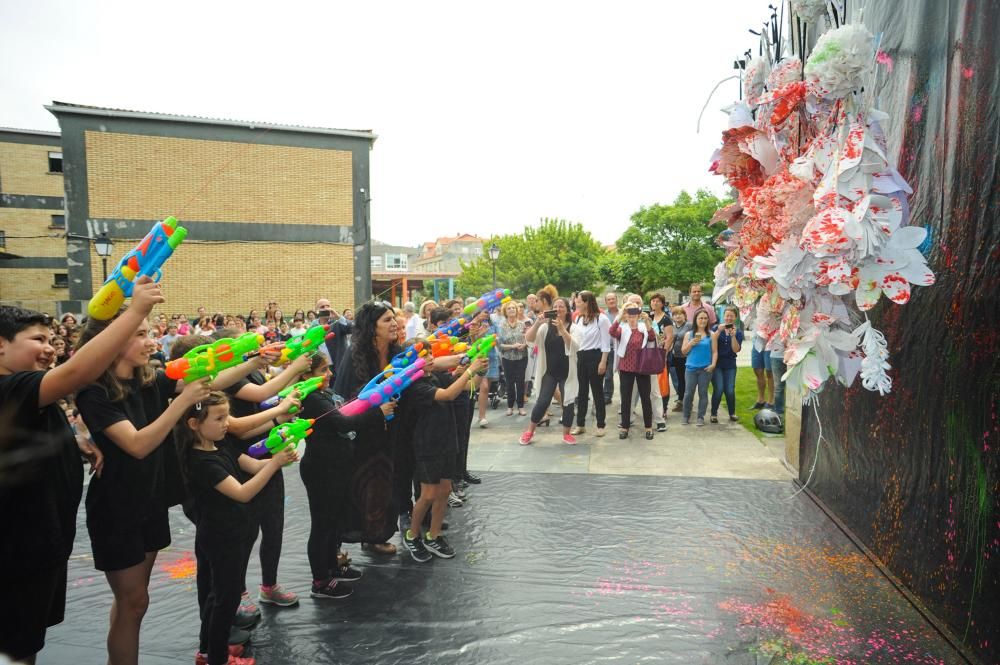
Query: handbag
(651,359)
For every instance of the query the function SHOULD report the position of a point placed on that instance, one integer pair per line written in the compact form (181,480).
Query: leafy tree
(668,245)
(556,252)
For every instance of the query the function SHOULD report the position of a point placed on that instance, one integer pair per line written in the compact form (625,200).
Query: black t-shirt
(428,423)
(330,444)
(39,499)
(240,408)
(556,360)
(662,325)
(130,490)
(218,515)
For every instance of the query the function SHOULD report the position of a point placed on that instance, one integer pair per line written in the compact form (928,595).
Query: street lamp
(494,255)
(104,247)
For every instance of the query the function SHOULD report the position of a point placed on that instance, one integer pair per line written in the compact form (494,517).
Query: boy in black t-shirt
(431,422)
(38,519)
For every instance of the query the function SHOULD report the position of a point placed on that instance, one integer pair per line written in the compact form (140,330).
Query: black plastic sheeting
(560,569)
(916,474)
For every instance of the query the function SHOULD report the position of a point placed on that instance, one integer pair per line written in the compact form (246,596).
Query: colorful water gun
(454,328)
(304,388)
(273,346)
(146,259)
(309,342)
(385,386)
(281,437)
(446,346)
(480,348)
(488,302)
(408,357)
(210,359)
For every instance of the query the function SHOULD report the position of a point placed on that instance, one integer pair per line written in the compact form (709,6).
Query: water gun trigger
(157,275)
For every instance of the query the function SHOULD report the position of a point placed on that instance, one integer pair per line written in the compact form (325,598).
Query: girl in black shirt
(220,503)
(126,505)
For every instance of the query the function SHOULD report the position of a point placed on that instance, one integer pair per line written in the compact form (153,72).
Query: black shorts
(432,470)
(116,547)
(33,601)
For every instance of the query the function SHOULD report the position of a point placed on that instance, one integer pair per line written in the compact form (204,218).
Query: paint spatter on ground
(184,568)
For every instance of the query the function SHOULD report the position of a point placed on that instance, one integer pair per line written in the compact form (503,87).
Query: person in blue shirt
(729,341)
(700,347)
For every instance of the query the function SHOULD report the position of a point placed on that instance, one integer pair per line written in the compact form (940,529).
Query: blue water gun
(385,386)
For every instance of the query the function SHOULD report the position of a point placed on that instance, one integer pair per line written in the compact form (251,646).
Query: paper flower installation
(820,228)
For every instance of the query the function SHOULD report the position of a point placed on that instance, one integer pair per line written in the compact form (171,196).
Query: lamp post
(494,255)
(104,247)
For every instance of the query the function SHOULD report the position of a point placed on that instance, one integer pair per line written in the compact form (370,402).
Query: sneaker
(769,406)
(247,606)
(483,422)
(701,422)
(348,574)
(661,427)
(526,438)
(332,589)
(686,421)
(459,491)
(439,547)
(599,432)
(238,636)
(234,650)
(649,435)
(570,439)
(472,478)
(578,430)
(202,659)
(276,595)
(733,419)
(416,549)
(758,405)
(454,501)
(678,406)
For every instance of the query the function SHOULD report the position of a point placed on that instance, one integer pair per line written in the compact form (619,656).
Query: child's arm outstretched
(250,426)
(262,471)
(461,383)
(140,443)
(254,393)
(93,358)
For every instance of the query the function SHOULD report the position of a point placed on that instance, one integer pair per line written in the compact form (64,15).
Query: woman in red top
(633,330)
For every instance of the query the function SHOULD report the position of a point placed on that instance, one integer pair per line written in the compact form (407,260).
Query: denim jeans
(724,383)
(778,368)
(696,378)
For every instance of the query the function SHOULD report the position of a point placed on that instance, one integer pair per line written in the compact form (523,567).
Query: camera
(323,313)
(550,314)
(633,311)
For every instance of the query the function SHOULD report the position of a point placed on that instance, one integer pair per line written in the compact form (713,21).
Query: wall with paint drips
(916,474)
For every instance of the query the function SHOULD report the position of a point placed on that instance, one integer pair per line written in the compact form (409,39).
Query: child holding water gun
(38,519)
(430,422)
(127,504)
(221,505)
(326,474)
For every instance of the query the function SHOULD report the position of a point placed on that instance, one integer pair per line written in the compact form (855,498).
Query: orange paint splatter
(185,568)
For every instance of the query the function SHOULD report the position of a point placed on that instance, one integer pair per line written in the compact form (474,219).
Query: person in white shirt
(591,360)
(414,324)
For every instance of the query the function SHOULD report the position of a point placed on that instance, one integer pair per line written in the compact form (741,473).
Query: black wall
(916,474)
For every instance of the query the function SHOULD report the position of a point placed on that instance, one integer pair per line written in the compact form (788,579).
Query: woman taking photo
(555,367)
(633,329)
(591,359)
(729,342)
(371,517)
(700,347)
(513,357)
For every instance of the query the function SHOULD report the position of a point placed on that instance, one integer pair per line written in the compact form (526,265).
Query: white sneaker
(483,422)
(454,501)
(578,430)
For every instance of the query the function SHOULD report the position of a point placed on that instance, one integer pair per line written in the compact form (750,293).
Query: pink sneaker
(235,650)
(570,439)
(526,438)
(276,595)
(247,606)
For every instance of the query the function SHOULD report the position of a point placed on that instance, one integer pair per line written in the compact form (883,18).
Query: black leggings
(545,393)
(270,513)
(680,368)
(514,371)
(219,574)
(324,532)
(642,380)
(586,372)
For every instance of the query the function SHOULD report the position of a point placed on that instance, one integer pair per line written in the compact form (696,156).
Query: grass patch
(746,396)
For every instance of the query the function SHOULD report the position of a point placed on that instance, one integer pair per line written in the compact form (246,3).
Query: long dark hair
(591,310)
(364,355)
(184,436)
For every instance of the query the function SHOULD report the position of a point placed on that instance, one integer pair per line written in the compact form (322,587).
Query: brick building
(273,212)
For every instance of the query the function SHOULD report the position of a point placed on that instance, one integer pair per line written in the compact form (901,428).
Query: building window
(60,280)
(3,238)
(376,263)
(395,262)
(55,162)
(58,221)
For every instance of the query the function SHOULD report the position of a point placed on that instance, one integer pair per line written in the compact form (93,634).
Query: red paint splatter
(185,568)
(967,73)
(884,58)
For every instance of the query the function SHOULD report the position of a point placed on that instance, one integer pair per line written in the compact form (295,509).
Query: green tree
(668,245)
(556,252)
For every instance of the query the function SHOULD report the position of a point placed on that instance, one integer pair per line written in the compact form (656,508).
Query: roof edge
(31,132)
(56,108)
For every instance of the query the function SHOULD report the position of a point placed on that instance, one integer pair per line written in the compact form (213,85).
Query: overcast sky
(489,116)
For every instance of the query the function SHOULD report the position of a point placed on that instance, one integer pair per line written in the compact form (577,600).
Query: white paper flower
(814,354)
(841,60)
(898,265)
(873,364)
(791,267)
(753,82)
(809,11)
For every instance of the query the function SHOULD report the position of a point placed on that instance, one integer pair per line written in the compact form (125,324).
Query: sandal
(714,419)
(379,548)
